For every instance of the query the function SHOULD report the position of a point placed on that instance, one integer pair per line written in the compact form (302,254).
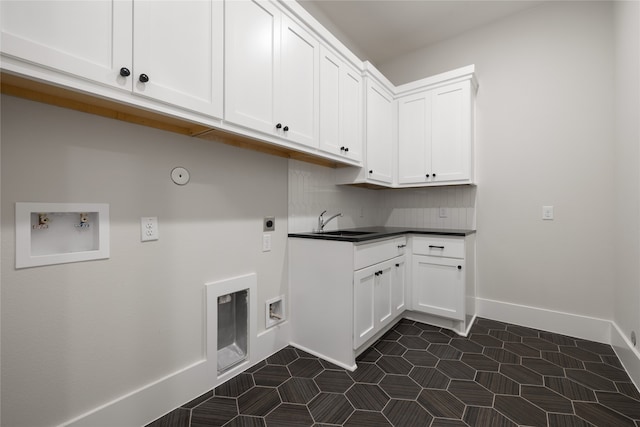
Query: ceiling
(381,30)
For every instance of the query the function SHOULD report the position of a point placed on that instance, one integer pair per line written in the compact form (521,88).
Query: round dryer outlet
(180,175)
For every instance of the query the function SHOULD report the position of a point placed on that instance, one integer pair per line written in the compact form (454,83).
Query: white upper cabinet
(340,107)
(272,72)
(166,51)
(451,133)
(251,51)
(88,39)
(297,95)
(178,45)
(435,135)
(414,138)
(380,133)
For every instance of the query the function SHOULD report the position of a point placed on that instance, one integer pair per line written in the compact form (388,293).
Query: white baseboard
(584,327)
(628,355)
(150,402)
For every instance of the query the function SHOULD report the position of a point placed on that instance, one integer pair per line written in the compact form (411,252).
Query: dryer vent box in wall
(56,233)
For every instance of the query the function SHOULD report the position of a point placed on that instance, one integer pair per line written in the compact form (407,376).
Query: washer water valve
(84,221)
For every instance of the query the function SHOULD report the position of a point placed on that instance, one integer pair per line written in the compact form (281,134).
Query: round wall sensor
(180,175)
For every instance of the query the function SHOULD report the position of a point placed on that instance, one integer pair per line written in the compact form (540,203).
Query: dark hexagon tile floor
(423,376)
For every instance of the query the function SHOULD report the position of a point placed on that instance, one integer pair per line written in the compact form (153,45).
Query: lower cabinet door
(382,294)
(373,307)
(438,286)
(364,305)
(398,283)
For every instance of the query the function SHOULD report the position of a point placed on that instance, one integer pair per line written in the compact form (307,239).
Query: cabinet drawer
(442,246)
(373,253)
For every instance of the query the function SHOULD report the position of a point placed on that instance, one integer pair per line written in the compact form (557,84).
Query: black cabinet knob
(459,267)
(397,265)
(346,149)
(279,126)
(124,72)
(434,175)
(286,128)
(371,171)
(427,175)
(341,148)
(143,78)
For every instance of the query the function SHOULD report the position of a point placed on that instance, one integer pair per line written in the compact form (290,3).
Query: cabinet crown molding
(442,79)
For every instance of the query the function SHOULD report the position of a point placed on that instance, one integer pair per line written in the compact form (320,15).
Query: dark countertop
(374,233)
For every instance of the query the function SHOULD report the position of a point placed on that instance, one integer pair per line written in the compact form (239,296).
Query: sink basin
(345,233)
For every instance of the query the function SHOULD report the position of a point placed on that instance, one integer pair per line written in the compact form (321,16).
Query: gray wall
(76,336)
(627,206)
(544,136)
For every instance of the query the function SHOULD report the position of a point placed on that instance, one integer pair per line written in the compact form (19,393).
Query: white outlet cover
(547,212)
(148,228)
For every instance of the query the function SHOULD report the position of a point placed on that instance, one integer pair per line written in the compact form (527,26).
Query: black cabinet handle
(278,126)
(124,72)
(286,129)
(341,148)
(397,265)
(381,272)
(434,175)
(427,175)
(436,247)
(459,267)
(346,149)
(143,78)
(377,273)
(402,246)
(370,170)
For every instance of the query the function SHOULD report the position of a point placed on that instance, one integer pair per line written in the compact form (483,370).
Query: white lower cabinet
(343,295)
(439,286)
(346,295)
(442,280)
(378,297)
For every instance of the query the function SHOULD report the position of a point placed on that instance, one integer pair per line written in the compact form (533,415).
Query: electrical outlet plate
(547,213)
(269,224)
(444,212)
(148,228)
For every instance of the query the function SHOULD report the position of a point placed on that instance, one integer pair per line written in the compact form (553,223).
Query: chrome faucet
(322,222)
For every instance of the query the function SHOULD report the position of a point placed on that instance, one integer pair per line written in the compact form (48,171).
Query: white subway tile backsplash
(312,190)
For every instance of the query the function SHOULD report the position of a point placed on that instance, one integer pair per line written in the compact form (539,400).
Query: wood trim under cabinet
(21,87)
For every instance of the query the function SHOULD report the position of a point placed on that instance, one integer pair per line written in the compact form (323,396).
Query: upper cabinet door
(414,138)
(380,134)
(272,72)
(252,44)
(351,112)
(451,133)
(179,47)
(297,100)
(89,39)
(340,107)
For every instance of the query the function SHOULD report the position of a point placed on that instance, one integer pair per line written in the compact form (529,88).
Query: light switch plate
(266,242)
(547,213)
